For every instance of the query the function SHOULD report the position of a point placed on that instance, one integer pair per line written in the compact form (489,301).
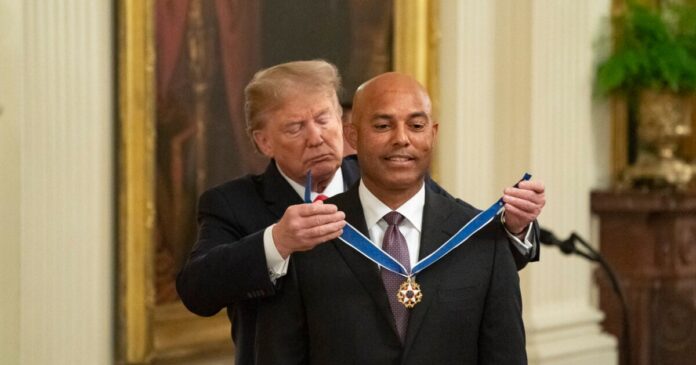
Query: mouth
(399,158)
(320,158)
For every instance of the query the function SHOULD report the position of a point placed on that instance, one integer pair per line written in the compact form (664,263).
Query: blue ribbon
(308,187)
(353,238)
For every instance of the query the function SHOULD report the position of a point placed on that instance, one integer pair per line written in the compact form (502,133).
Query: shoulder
(350,169)
(245,190)
(239,186)
(439,198)
(434,187)
(348,199)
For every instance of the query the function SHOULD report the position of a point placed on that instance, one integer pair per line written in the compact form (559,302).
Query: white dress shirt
(412,210)
(374,211)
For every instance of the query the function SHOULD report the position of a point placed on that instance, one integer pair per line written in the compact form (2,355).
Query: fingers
(524,203)
(527,205)
(528,191)
(304,226)
(318,207)
(534,185)
(517,217)
(318,232)
(311,215)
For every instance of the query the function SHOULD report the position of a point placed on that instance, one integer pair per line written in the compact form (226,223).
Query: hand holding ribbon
(358,241)
(303,226)
(523,204)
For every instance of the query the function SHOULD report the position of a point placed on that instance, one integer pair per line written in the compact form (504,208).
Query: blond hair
(269,88)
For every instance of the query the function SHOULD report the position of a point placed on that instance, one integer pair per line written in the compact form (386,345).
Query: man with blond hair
(249,227)
(383,294)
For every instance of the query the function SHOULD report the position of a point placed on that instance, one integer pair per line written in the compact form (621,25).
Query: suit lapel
(365,270)
(350,171)
(438,226)
(278,193)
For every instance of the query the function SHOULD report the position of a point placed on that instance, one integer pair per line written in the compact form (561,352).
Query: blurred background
(116,115)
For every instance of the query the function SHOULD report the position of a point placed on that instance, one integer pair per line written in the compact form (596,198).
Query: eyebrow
(391,117)
(418,114)
(302,120)
(322,112)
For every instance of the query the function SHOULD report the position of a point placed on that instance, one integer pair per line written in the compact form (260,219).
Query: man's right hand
(303,226)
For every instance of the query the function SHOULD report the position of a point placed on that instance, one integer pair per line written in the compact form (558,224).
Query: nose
(400,136)
(314,137)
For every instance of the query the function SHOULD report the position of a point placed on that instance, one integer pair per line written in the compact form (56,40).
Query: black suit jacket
(227,266)
(333,308)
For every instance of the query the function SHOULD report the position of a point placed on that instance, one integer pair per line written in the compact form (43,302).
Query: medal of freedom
(409,293)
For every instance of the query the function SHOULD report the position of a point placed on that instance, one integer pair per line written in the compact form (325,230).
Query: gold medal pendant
(409,293)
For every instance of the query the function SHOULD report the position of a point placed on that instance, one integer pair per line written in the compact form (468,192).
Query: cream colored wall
(56,132)
(515,79)
(516,95)
(10,140)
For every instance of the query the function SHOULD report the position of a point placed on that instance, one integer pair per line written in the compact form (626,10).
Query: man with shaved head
(385,293)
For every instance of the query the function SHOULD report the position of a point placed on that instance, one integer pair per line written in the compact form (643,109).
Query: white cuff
(525,247)
(277,266)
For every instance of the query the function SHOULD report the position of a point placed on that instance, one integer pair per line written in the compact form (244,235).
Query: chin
(325,167)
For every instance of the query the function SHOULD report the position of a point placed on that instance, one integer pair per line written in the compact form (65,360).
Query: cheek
(290,147)
(333,134)
(425,143)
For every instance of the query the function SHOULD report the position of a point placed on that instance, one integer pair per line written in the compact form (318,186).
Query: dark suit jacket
(333,308)
(227,266)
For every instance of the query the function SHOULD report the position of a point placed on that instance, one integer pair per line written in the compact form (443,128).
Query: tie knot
(393,218)
(321,197)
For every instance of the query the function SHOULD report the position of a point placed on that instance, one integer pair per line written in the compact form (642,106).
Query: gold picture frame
(149,333)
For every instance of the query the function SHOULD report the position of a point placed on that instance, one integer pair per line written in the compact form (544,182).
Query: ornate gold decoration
(663,119)
(417,48)
(409,293)
(147,332)
(136,178)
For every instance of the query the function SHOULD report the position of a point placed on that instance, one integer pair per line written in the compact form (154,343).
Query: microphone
(548,238)
(566,246)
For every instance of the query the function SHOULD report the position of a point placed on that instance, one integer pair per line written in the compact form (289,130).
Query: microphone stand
(569,246)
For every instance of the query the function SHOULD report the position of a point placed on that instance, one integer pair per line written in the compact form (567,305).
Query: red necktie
(321,197)
(394,243)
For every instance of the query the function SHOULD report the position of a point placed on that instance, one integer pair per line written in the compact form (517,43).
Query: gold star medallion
(409,293)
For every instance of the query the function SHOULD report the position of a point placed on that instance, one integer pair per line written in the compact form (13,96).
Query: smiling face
(394,135)
(304,133)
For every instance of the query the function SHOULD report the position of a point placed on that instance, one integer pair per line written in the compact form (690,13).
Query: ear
(263,142)
(351,134)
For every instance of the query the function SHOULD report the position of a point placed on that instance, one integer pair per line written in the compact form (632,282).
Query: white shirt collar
(374,210)
(335,185)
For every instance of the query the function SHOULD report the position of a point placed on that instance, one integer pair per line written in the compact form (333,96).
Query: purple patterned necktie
(394,244)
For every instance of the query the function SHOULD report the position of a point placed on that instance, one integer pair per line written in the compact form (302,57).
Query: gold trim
(619,115)
(148,332)
(179,334)
(136,178)
(417,47)
(416,41)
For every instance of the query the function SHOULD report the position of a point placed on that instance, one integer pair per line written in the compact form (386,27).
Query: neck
(319,184)
(393,198)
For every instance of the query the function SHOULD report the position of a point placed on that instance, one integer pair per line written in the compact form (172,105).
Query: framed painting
(182,68)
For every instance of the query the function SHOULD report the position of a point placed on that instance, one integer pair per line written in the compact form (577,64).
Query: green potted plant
(654,62)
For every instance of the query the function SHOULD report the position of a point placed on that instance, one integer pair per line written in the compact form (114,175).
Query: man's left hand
(523,205)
